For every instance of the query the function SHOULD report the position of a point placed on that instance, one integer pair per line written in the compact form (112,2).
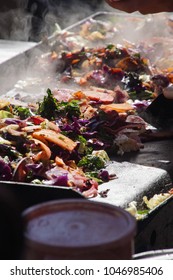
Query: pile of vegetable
(107,67)
(65,143)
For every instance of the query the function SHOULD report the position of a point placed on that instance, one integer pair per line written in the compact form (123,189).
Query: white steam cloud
(16,21)
(17,25)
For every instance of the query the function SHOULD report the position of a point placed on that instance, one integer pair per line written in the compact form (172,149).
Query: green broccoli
(22,112)
(72,108)
(91,163)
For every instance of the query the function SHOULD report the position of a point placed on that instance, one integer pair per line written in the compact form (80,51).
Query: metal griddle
(155,155)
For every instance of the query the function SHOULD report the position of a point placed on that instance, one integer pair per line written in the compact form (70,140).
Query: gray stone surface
(132,183)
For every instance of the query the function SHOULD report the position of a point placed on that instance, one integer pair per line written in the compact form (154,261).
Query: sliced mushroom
(20,172)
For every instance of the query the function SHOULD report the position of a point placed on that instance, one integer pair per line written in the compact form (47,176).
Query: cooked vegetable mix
(89,113)
(65,146)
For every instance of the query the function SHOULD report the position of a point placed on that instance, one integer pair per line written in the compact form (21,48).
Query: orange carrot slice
(120,108)
(57,138)
(99,96)
(59,161)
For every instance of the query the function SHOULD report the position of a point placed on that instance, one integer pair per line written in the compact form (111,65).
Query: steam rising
(17,24)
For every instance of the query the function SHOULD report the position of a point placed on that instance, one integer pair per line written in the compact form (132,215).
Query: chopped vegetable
(57,138)
(47,108)
(22,112)
(91,162)
(155,200)
(120,108)
(5,114)
(5,171)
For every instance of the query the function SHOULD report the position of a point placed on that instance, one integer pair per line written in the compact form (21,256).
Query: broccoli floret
(91,163)
(83,146)
(22,112)
(72,108)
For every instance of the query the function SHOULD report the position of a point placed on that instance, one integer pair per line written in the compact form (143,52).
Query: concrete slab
(132,183)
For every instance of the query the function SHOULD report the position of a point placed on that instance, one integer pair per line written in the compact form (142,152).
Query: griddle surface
(156,154)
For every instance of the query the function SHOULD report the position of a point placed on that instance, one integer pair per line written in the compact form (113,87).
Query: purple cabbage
(76,126)
(21,123)
(5,171)
(56,176)
(61,180)
(104,175)
(36,169)
(110,119)
(141,105)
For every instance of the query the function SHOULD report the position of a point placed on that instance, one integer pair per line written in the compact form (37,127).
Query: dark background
(62,12)
(30,20)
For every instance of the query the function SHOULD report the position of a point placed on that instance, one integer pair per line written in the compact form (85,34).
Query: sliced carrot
(120,107)
(59,161)
(170,77)
(74,61)
(40,156)
(79,95)
(169,69)
(82,81)
(56,138)
(40,138)
(104,97)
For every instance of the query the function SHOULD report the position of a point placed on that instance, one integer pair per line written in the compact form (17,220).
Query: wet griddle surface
(147,172)
(132,183)
(156,154)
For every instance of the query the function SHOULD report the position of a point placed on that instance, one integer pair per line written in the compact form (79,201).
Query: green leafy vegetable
(83,146)
(50,107)
(72,108)
(91,163)
(94,175)
(143,212)
(22,112)
(5,114)
(47,108)
(135,88)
